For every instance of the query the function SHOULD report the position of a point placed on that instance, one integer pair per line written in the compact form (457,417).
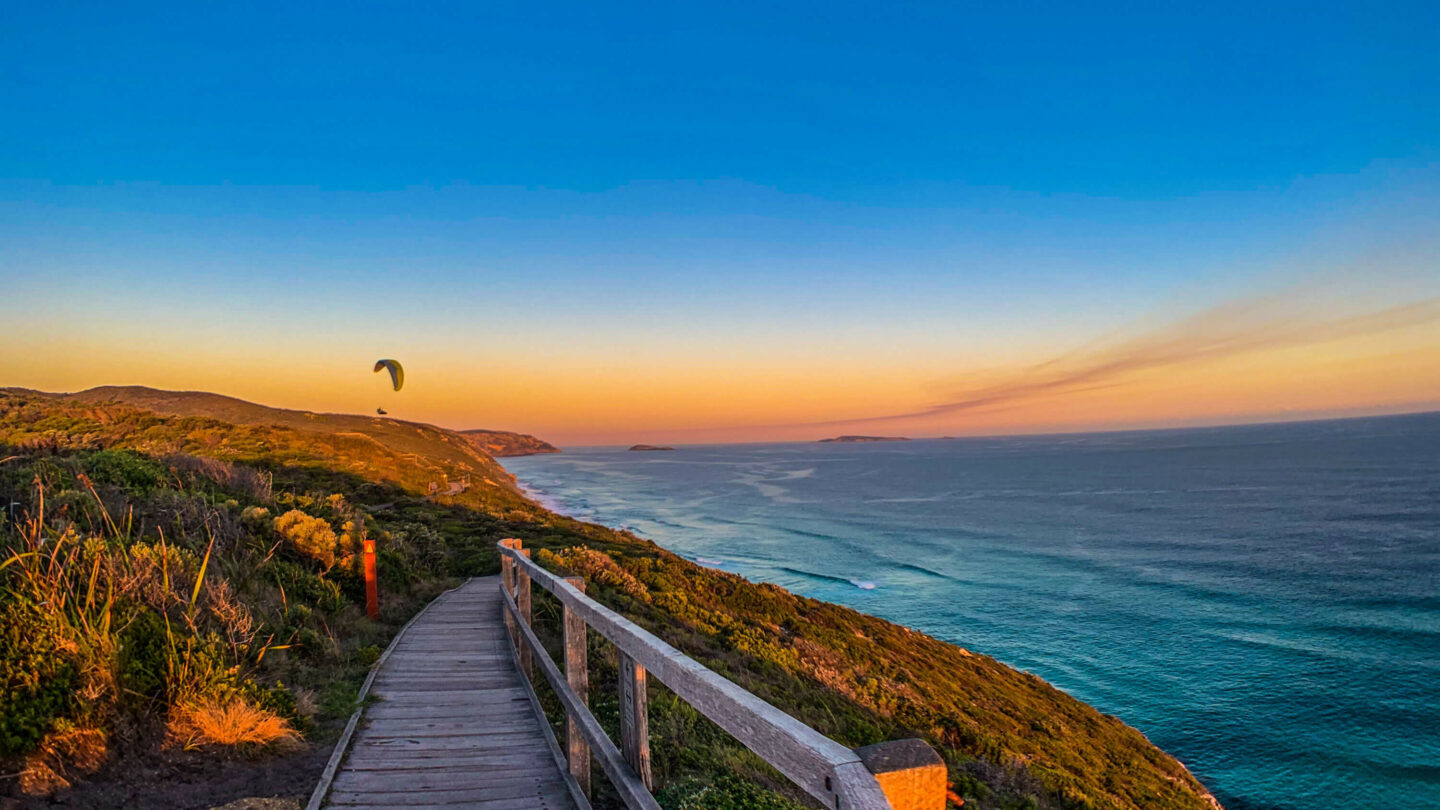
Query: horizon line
(1378,412)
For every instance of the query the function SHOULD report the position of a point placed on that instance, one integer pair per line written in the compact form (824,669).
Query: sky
(617,223)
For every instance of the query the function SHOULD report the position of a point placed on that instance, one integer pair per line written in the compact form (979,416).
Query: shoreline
(1060,575)
(556,505)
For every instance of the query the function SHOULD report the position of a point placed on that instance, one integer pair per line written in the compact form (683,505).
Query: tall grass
(128,625)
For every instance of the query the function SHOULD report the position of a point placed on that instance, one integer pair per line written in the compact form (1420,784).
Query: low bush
(122,468)
(311,536)
(724,793)
(232,722)
(38,676)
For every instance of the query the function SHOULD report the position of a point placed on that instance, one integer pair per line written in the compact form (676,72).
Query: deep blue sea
(1263,602)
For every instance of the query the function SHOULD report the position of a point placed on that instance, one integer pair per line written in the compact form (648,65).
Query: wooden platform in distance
(452,726)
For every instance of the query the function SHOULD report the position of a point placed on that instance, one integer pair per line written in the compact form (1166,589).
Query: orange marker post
(372,594)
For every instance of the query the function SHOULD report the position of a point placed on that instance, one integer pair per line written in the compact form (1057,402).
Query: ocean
(1263,602)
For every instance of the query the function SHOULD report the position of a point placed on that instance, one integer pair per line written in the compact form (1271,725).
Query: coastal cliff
(503,443)
(260,521)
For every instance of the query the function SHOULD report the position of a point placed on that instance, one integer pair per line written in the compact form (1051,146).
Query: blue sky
(980,182)
(889,102)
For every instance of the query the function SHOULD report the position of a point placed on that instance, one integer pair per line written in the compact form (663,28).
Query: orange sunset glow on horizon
(1307,352)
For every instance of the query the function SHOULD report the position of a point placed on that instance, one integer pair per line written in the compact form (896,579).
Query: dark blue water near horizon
(1263,602)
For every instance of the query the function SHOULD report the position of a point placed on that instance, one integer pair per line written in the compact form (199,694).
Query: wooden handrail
(634,792)
(902,775)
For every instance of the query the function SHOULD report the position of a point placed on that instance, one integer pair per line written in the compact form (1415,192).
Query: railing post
(522,601)
(634,718)
(577,674)
(910,773)
(507,582)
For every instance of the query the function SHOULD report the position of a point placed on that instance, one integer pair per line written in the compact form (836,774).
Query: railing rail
(900,775)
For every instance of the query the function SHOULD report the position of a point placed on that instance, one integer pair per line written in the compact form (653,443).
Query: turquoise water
(1263,602)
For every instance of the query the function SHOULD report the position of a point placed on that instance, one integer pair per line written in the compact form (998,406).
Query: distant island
(505,443)
(649,447)
(866,439)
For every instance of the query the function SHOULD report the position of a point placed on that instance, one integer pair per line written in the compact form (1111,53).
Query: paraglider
(397,373)
(397,376)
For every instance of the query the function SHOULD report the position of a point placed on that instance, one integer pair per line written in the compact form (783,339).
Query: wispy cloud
(1308,314)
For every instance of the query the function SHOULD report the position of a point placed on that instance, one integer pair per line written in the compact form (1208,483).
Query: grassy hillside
(427,447)
(178,581)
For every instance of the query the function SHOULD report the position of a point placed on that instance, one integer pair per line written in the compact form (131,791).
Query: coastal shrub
(311,536)
(474,563)
(253,484)
(968,786)
(393,569)
(158,574)
(144,657)
(38,676)
(598,567)
(303,588)
(293,500)
(339,699)
(310,644)
(725,793)
(123,468)
(46,473)
(200,668)
(367,655)
(748,640)
(422,549)
(73,506)
(274,698)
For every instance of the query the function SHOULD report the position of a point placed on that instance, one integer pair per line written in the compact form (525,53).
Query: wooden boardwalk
(453,726)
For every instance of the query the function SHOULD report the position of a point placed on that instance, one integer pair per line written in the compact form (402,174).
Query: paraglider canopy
(397,374)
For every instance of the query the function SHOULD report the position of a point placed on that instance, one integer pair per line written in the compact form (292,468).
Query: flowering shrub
(597,566)
(311,536)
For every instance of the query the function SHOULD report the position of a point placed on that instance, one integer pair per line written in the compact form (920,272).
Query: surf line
(862,584)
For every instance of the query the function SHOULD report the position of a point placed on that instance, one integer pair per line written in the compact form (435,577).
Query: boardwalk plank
(452,725)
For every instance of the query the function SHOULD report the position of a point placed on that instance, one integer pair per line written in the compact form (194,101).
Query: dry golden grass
(233,723)
(68,751)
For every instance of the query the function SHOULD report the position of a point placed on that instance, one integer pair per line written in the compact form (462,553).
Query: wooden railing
(899,775)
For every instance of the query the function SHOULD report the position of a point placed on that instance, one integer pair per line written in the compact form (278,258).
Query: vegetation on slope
(430,450)
(178,580)
(186,582)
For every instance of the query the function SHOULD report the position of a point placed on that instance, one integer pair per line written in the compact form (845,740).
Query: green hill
(173,558)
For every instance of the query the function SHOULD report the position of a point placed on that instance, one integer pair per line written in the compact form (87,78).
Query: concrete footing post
(911,774)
